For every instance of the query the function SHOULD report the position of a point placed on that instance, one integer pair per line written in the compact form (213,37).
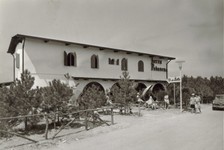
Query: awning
(146,89)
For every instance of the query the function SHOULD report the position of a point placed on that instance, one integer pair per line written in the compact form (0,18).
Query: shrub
(92,98)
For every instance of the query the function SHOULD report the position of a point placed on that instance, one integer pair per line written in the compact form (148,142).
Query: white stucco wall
(47,61)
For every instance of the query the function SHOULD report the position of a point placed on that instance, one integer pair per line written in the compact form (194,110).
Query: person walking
(192,103)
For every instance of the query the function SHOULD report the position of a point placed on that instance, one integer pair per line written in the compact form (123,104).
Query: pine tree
(92,98)
(55,97)
(124,93)
(19,98)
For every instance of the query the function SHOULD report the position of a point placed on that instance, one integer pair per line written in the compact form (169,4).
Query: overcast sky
(190,30)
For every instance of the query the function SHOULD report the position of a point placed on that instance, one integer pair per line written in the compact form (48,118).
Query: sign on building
(174,79)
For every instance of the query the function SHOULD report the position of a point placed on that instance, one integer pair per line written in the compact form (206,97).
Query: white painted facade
(45,60)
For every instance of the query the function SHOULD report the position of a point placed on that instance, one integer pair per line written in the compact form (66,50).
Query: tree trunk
(55,116)
(26,123)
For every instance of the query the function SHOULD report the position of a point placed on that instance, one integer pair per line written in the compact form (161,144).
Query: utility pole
(180,68)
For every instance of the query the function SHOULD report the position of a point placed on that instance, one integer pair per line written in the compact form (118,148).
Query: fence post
(46,129)
(54,121)
(86,121)
(112,116)
(62,127)
(26,125)
(139,110)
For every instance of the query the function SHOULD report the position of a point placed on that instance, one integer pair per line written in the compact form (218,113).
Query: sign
(154,67)
(173,79)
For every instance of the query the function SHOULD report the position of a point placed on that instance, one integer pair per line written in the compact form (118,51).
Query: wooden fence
(89,112)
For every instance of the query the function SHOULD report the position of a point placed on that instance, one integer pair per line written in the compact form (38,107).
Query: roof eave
(15,40)
(20,37)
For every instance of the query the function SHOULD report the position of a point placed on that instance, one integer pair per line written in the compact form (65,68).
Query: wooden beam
(13,133)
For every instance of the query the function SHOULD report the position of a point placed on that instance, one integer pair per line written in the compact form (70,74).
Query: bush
(92,98)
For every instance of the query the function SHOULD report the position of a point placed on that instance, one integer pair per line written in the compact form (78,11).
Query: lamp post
(180,67)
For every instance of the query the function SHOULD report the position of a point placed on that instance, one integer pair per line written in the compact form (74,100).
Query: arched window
(124,64)
(70,59)
(112,61)
(94,61)
(117,62)
(141,66)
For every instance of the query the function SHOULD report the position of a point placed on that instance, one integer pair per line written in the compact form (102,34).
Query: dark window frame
(140,66)
(94,60)
(124,64)
(117,62)
(70,59)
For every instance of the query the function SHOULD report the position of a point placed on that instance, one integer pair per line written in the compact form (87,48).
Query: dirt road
(165,131)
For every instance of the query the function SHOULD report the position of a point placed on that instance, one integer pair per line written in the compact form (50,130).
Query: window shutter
(97,61)
(65,59)
(92,62)
(72,63)
(17,61)
(75,59)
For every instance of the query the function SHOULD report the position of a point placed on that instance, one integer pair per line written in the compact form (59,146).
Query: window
(111,61)
(17,61)
(124,64)
(94,61)
(70,59)
(117,62)
(141,66)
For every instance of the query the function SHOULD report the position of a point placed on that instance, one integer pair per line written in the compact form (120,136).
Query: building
(49,59)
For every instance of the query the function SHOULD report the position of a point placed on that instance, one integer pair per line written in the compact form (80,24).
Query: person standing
(197,104)
(192,103)
(166,101)
(108,101)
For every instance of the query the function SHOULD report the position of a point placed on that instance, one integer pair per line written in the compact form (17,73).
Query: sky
(189,30)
